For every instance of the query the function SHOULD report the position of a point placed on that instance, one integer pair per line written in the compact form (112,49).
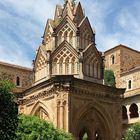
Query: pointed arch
(61,65)
(66,35)
(42,111)
(96,69)
(71,38)
(54,66)
(67,65)
(99,70)
(73,65)
(88,39)
(97,112)
(60,37)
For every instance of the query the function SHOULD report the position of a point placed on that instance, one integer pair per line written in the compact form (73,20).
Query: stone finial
(70,1)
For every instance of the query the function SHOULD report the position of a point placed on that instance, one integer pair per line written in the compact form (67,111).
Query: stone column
(49,65)
(70,67)
(58,115)
(65,116)
(61,115)
(81,63)
(78,39)
(128,112)
(63,68)
(55,38)
(138,104)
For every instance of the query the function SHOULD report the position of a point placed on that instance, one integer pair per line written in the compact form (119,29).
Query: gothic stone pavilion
(68,85)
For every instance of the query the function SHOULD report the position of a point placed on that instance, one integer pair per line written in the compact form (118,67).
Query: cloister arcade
(130,113)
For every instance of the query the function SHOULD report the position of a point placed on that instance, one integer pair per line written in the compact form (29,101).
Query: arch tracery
(66,62)
(40,110)
(68,34)
(96,120)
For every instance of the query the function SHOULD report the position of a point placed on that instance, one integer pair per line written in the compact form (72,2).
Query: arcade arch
(95,122)
(40,110)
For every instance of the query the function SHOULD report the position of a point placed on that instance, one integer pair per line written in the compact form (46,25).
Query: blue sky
(22,24)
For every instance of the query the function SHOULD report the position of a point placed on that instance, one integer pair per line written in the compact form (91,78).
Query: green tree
(85,137)
(109,78)
(34,128)
(133,133)
(8,111)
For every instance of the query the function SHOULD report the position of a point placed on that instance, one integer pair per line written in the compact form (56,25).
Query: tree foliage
(34,128)
(85,137)
(109,78)
(133,133)
(8,111)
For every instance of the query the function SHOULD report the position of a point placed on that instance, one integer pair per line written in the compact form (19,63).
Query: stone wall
(114,67)
(127,73)
(125,61)
(11,72)
(134,76)
(130,59)
(77,106)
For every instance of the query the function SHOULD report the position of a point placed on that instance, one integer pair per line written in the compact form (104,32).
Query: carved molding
(83,91)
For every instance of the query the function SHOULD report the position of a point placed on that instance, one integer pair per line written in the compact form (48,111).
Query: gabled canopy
(48,28)
(79,14)
(85,23)
(58,12)
(66,20)
(67,11)
(40,53)
(66,45)
(92,50)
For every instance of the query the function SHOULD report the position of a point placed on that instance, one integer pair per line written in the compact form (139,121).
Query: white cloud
(23,22)
(14,54)
(38,10)
(126,23)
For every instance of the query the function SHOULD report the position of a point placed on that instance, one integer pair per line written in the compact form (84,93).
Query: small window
(17,81)
(129,84)
(113,59)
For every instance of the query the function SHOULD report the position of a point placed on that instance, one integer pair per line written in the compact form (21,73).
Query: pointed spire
(68,9)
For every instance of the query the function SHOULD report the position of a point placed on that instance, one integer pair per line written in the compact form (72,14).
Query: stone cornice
(71,85)
(80,91)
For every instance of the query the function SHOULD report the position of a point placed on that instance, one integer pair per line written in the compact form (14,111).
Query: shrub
(8,111)
(133,133)
(109,78)
(34,128)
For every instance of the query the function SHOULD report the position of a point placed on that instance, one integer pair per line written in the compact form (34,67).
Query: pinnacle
(70,1)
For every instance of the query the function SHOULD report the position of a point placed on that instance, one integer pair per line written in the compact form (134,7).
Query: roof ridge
(14,65)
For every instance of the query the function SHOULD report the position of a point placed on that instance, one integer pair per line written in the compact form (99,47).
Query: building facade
(68,85)
(21,77)
(125,62)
